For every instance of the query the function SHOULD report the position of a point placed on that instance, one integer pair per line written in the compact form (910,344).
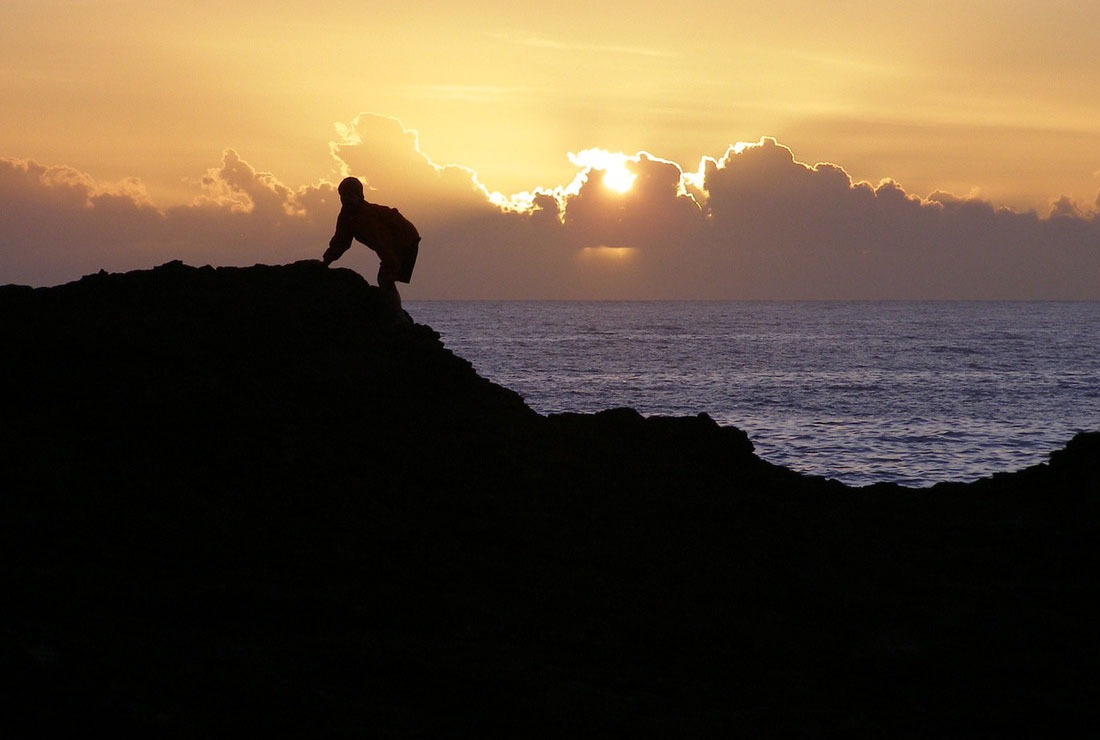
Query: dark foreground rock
(245,501)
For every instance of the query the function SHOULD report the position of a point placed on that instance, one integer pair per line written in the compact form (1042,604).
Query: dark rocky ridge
(241,501)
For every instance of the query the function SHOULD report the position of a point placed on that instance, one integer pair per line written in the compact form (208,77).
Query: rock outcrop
(244,501)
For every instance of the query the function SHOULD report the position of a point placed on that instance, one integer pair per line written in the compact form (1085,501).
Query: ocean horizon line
(752,300)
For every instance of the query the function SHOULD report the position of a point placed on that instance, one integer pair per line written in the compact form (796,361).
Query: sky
(575,150)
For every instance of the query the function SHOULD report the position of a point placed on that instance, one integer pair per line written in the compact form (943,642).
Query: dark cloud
(781,228)
(59,224)
(754,223)
(654,213)
(56,223)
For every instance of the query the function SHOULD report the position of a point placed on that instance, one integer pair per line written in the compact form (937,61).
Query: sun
(619,178)
(616,176)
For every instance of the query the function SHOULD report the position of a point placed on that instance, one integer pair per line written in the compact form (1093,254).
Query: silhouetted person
(383,229)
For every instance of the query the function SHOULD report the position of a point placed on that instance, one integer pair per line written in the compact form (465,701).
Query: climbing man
(383,229)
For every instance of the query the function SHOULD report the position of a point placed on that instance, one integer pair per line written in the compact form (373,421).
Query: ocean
(909,392)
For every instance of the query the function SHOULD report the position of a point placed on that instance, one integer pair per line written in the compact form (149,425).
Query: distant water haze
(910,392)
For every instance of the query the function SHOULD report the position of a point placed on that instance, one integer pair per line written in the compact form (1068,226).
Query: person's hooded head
(350,190)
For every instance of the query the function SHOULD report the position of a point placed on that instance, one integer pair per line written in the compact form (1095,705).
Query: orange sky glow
(530,147)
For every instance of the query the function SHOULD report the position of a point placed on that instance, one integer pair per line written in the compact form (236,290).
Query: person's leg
(387,278)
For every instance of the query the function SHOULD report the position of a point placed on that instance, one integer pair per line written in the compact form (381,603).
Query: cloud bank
(59,224)
(754,223)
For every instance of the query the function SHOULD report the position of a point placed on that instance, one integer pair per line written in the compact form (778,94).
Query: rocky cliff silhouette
(244,501)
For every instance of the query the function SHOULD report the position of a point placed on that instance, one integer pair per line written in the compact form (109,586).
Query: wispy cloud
(468,93)
(543,42)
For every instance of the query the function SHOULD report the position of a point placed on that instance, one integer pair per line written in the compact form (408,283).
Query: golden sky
(992,100)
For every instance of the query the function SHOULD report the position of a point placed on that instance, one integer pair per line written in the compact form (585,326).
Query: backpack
(403,234)
(399,228)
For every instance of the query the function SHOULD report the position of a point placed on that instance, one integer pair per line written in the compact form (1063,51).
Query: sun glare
(616,176)
(613,253)
(619,179)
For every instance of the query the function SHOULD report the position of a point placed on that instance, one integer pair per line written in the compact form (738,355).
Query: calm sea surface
(914,393)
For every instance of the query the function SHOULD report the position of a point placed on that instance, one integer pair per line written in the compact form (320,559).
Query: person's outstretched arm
(340,241)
